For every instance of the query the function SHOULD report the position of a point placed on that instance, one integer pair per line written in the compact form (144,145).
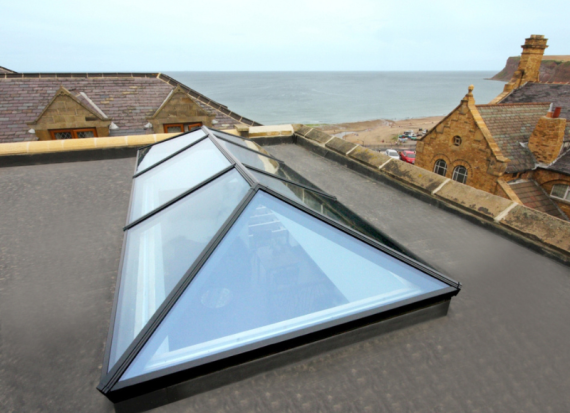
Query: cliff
(552,69)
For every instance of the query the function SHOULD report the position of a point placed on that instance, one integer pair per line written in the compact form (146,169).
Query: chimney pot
(557,112)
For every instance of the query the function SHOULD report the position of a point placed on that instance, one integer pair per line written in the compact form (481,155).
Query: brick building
(44,106)
(517,146)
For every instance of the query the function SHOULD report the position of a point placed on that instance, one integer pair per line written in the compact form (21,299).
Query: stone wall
(474,152)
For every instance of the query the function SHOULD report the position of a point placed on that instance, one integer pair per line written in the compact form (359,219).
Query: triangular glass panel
(159,251)
(175,176)
(157,152)
(256,159)
(278,273)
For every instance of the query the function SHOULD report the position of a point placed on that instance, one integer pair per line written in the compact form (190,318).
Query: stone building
(517,146)
(45,106)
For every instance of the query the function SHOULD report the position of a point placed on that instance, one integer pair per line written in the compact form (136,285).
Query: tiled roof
(562,164)
(126,98)
(533,196)
(556,93)
(5,70)
(511,125)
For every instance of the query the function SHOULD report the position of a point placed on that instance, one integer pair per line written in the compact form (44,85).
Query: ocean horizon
(340,97)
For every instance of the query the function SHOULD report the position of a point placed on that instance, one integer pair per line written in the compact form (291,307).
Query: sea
(339,97)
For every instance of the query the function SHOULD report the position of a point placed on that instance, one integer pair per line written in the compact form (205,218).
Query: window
(224,256)
(460,174)
(73,133)
(440,167)
(457,140)
(180,127)
(561,191)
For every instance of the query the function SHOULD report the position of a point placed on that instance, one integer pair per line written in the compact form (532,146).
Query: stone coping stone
(37,147)
(318,136)
(369,157)
(303,130)
(475,200)
(413,175)
(540,226)
(340,145)
(271,130)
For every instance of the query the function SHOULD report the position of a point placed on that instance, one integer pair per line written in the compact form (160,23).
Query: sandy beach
(379,131)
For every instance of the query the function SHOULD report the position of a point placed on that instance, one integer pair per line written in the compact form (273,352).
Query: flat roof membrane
(228,251)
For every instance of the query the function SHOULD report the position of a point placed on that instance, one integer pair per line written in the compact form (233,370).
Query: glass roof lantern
(228,252)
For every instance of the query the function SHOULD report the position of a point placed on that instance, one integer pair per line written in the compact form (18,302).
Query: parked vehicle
(392,153)
(408,156)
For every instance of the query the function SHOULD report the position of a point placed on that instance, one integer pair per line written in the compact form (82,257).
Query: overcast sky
(171,35)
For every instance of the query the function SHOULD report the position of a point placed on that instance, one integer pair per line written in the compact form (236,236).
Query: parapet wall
(541,231)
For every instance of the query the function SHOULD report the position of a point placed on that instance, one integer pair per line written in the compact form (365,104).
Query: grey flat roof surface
(503,346)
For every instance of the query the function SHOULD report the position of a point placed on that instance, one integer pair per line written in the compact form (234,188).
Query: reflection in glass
(251,158)
(151,155)
(162,248)
(240,141)
(278,270)
(320,203)
(175,176)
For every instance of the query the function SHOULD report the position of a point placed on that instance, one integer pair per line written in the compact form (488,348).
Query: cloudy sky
(171,35)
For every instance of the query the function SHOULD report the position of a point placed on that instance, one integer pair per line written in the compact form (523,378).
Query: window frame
(184,127)
(73,132)
(456,174)
(457,140)
(437,166)
(566,197)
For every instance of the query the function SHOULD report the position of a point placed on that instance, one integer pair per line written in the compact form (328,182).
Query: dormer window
(73,133)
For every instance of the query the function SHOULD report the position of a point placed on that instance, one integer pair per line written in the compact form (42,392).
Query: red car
(408,156)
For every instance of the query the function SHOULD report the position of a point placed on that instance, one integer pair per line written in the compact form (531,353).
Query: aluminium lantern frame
(117,391)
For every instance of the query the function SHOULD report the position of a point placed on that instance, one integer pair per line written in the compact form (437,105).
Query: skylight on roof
(229,251)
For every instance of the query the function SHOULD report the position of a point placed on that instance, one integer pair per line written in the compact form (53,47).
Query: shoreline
(379,131)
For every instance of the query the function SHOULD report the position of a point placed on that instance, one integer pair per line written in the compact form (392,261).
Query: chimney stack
(529,65)
(547,138)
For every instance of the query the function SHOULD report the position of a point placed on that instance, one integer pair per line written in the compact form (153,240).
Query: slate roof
(562,164)
(5,70)
(556,93)
(533,196)
(127,98)
(511,125)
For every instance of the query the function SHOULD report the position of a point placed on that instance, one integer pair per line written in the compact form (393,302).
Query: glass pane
(155,153)
(161,249)
(277,271)
(283,171)
(173,129)
(558,191)
(177,175)
(85,134)
(63,135)
(251,158)
(304,196)
(240,141)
